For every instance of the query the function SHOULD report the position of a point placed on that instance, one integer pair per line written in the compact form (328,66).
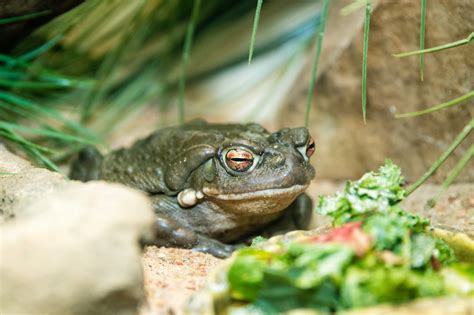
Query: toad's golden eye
(239,160)
(310,147)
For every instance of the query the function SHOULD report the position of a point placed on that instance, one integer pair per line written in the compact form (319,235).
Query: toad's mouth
(265,193)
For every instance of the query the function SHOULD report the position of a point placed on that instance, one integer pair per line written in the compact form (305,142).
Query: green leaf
(457,43)
(365,53)
(254,28)
(185,58)
(422,37)
(457,141)
(246,273)
(375,191)
(45,132)
(24,17)
(314,70)
(438,107)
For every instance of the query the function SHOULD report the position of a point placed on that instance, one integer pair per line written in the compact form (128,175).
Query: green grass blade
(34,53)
(254,29)
(45,132)
(352,7)
(42,158)
(457,141)
(457,43)
(11,74)
(25,17)
(441,106)
(8,134)
(368,11)
(32,107)
(453,174)
(29,85)
(30,148)
(188,39)
(314,70)
(43,74)
(422,37)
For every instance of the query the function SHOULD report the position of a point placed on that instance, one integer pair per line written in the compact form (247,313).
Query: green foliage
(389,230)
(28,112)
(459,279)
(304,275)
(370,283)
(375,191)
(257,240)
(246,273)
(324,273)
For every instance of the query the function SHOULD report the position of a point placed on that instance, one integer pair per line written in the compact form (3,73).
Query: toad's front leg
(170,232)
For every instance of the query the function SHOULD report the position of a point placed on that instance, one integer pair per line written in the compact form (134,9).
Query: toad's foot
(168,233)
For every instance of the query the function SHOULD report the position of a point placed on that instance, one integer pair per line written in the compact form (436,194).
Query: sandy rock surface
(171,276)
(69,247)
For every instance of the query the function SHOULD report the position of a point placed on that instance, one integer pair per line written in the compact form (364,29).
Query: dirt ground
(172,275)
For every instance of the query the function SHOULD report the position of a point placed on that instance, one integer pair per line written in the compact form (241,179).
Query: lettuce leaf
(374,192)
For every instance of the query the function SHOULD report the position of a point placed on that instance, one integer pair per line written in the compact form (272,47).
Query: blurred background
(106,72)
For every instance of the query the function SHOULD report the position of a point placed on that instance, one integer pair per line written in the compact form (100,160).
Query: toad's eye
(239,160)
(310,147)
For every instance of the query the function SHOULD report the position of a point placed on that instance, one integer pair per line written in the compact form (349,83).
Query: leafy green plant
(377,253)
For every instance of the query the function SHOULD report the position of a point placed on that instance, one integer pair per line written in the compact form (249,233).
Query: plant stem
(314,70)
(188,39)
(422,37)
(254,29)
(462,135)
(450,103)
(453,174)
(368,11)
(437,48)
(25,17)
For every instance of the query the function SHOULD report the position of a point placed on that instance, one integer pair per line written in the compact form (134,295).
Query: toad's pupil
(239,160)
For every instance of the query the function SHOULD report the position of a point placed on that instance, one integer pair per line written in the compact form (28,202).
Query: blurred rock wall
(347,148)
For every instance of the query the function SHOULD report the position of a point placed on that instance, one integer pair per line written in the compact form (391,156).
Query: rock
(73,248)
(21,183)
(454,208)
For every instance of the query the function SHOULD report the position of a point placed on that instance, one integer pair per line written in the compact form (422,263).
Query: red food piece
(350,234)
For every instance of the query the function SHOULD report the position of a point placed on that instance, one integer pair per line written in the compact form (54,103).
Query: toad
(214,185)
